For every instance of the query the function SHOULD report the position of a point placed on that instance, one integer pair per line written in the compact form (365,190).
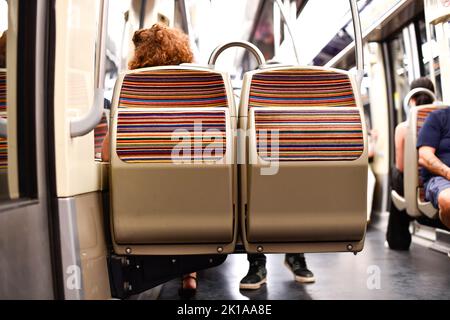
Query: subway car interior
(283,153)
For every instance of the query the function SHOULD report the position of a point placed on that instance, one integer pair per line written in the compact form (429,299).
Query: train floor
(375,273)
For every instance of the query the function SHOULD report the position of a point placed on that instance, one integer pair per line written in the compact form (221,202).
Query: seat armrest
(427,208)
(398,200)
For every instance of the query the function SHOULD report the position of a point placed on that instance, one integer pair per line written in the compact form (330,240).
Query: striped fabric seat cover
(301,88)
(422,115)
(171,136)
(3,114)
(146,136)
(326,134)
(309,135)
(100,132)
(173,89)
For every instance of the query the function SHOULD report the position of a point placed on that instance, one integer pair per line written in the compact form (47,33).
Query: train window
(118,43)
(402,69)
(440,34)
(4,193)
(118,35)
(18,143)
(430,52)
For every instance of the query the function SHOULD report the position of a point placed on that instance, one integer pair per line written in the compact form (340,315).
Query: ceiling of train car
(381,21)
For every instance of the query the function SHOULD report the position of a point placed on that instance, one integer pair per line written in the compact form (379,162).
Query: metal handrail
(243,44)
(412,93)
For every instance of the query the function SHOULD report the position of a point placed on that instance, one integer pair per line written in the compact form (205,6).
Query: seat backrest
(3,114)
(416,205)
(307,124)
(172,169)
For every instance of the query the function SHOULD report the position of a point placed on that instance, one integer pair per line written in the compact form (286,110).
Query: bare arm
(400,133)
(428,160)
(105,149)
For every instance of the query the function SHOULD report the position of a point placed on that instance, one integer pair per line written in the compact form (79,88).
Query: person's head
(422,98)
(3,50)
(160,46)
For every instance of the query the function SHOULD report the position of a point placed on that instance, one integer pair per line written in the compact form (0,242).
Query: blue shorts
(433,188)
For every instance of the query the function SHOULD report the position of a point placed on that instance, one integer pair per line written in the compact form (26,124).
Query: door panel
(26,259)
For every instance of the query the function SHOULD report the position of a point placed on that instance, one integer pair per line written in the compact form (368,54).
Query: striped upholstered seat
(332,133)
(414,199)
(422,115)
(151,136)
(173,89)
(146,135)
(309,135)
(301,88)
(173,181)
(3,114)
(305,179)
(100,132)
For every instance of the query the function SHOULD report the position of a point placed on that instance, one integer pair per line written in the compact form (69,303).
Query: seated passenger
(398,235)
(434,156)
(157,46)
(160,46)
(257,272)
(3,50)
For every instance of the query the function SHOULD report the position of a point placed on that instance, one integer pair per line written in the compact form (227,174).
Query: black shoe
(297,265)
(398,235)
(255,278)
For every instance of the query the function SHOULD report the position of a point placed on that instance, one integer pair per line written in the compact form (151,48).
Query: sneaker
(255,278)
(297,265)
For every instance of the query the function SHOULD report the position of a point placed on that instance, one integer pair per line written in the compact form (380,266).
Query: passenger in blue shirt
(398,235)
(434,156)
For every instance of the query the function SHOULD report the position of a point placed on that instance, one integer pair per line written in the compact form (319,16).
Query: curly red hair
(160,46)
(3,50)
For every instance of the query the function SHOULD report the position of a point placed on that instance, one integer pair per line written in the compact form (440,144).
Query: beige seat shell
(308,206)
(167,208)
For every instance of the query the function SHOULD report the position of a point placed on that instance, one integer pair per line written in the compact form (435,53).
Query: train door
(26,240)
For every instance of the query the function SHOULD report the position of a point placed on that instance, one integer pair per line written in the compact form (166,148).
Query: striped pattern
(100,133)
(173,89)
(309,135)
(146,136)
(158,136)
(422,115)
(3,114)
(301,88)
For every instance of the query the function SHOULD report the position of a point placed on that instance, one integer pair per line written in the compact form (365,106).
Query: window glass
(117,48)
(117,43)
(430,52)
(4,193)
(400,64)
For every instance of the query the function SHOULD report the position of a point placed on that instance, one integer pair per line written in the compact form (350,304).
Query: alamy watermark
(374,277)
(199,146)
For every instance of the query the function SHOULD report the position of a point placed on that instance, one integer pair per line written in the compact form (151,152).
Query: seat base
(175,249)
(306,247)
